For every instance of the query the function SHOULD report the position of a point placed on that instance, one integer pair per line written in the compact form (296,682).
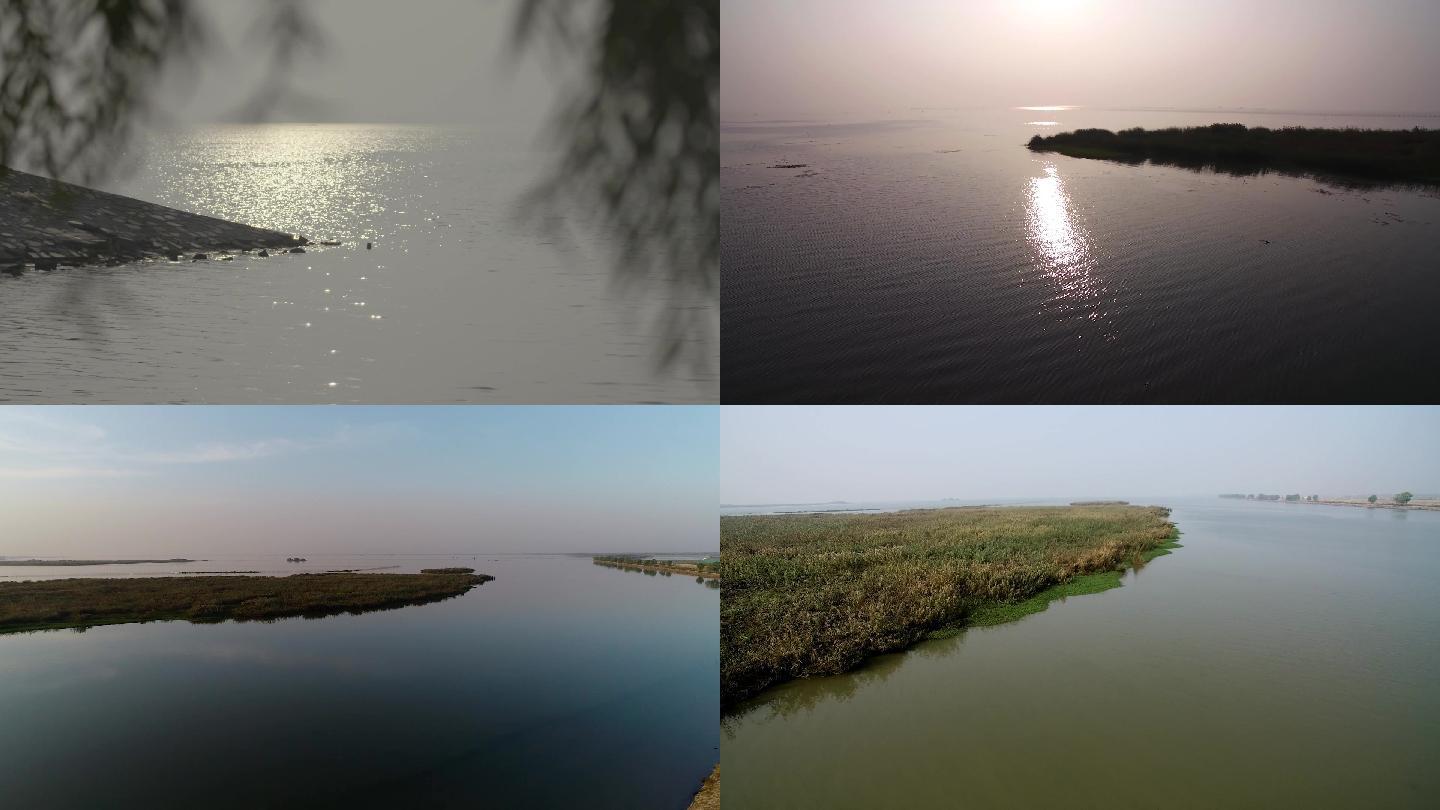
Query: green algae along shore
(78,603)
(817,594)
(48,223)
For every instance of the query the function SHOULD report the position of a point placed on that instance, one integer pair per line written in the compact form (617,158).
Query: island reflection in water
(1201,666)
(560,683)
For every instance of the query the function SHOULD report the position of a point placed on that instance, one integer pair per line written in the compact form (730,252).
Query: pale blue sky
(190,480)
(808,454)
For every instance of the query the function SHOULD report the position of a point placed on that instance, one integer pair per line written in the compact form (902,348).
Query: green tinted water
(1285,657)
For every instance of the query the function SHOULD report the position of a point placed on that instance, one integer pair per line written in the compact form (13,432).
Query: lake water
(559,684)
(1284,657)
(928,256)
(461,300)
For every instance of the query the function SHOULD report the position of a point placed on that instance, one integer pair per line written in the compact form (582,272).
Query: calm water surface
(928,256)
(559,684)
(1285,657)
(460,301)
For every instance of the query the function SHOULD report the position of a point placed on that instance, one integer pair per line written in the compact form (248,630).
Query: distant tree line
(1401,498)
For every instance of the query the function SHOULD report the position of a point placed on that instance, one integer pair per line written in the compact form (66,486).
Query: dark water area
(559,684)
(934,258)
(1283,657)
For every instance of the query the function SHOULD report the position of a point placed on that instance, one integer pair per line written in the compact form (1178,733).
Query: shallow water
(459,301)
(559,684)
(928,256)
(1284,657)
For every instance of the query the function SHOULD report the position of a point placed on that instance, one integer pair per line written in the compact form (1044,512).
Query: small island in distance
(1363,155)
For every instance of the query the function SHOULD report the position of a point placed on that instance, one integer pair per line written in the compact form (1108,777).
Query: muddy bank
(48,223)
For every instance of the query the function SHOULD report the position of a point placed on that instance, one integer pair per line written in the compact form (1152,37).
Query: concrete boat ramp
(47,223)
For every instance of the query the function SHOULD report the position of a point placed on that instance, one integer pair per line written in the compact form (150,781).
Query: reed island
(817,594)
(1359,155)
(700,569)
(79,603)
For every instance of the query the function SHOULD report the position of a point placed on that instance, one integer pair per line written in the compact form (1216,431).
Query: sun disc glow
(1050,9)
(1050,6)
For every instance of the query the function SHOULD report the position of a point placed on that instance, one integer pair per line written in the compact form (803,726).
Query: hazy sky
(183,481)
(803,58)
(805,454)
(416,61)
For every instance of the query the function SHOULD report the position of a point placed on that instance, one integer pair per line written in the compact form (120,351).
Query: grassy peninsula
(816,594)
(73,603)
(1374,155)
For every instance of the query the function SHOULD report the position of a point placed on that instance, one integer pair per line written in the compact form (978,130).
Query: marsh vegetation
(78,603)
(92,562)
(700,569)
(1373,155)
(817,594)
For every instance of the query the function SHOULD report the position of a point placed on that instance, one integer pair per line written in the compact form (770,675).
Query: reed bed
(1403,155)
(816,594)
(62,603)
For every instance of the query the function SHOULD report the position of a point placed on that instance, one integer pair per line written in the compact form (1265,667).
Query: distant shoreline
(1421,505)
(686,569)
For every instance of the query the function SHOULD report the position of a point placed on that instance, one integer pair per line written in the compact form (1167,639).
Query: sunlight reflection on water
(1062,245)
(438,291)
(317,180)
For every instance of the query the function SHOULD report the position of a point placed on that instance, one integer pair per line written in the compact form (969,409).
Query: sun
(1050,9)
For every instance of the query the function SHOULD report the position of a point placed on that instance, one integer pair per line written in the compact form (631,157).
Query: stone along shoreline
(49,223)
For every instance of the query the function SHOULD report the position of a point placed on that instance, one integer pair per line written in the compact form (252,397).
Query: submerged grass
(79,603)
(817,594)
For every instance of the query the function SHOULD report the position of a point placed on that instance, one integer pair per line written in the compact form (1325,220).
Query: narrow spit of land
(93,562)
(1363,155)
(692,569)
(75,603)
(709,796)
(817,594)
(48,223)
